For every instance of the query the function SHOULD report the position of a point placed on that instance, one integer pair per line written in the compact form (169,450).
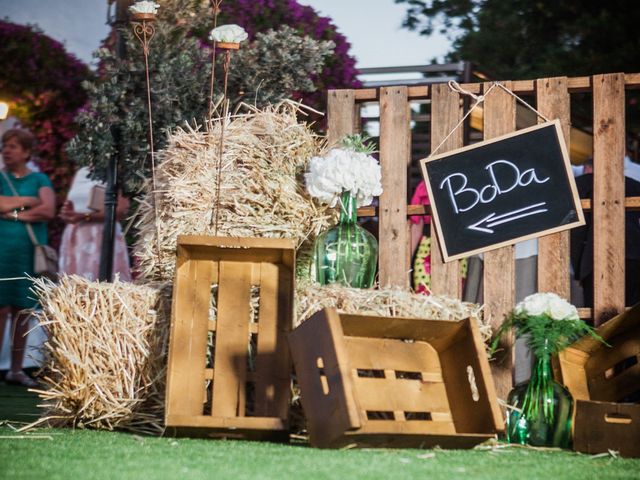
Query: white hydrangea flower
(144,6)
(343,170)
(228,34)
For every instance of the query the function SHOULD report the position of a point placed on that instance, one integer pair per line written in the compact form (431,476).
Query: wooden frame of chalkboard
(502,191)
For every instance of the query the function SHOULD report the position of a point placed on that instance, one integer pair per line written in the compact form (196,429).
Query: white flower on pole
(228,34)
(341,171)
(144,6)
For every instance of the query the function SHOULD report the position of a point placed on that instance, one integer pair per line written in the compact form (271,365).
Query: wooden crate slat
(446,112)
(626,346)
(273,379)
(234,295)
(395,355)
(626,384)
(390,394)
(408,427)
(323,372)
(608,188)
(395,155)
(190,317)
(553,250)
(499,265)
(227,423)
(341,114)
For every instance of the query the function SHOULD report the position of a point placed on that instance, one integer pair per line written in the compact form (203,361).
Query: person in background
(34,204)
(582,248)
(421,244)
(82,237)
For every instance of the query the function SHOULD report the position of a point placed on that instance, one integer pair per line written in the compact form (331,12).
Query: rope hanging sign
(501,191)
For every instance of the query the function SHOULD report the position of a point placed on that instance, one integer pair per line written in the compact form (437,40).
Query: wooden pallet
(600,379)
(229,371)
(394,382)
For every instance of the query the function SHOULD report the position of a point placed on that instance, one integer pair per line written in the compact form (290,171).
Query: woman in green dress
(34,204)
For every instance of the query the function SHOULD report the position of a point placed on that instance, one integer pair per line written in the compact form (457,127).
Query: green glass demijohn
(346,253)
(540,409)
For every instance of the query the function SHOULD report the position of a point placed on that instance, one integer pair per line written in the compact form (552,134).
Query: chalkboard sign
(502,191)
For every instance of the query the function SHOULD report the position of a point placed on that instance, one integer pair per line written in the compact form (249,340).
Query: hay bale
(389,302)
(262,191)
(106,354)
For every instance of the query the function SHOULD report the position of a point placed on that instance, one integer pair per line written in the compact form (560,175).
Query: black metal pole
(111,193)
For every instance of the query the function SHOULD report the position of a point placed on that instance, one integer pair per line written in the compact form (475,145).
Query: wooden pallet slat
(446,111)
(553,250)
(608,189)
(395,153)
(499,265)
(341,112)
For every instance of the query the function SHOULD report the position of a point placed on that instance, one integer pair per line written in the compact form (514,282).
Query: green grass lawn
(85,454)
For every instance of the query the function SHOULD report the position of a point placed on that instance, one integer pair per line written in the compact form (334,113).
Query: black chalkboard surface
(502,191)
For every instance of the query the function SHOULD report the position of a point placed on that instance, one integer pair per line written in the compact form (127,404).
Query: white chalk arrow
(487,223)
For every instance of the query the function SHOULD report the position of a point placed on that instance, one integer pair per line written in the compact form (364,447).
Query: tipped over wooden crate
(229,369)
(394,382)
(605,383)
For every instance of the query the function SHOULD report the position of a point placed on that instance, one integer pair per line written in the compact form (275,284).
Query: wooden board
(323,372)
(446,112)
(229,367)
(395,154)
(274,360)
(188,336)
(608,189)
(341,115)
(553,250)
(499,265)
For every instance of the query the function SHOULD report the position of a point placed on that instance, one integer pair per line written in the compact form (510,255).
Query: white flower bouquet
(348,169)
(228,34)
(144,7)
(551,322)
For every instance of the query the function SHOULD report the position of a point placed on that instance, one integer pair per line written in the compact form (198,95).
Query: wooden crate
(601,378)
(394,382)
(227,392)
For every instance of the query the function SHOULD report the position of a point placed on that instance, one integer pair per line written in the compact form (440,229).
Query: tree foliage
(273,66)
(517,39)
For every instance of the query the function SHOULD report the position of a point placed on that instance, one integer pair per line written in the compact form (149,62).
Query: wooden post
(608,196)
(553,250)
(341,114)
(446,112)
(499,265)
(395,152)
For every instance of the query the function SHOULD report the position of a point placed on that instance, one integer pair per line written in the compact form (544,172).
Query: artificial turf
(86,454)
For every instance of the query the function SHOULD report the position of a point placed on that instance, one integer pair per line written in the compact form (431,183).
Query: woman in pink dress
(421,244)
(82,237)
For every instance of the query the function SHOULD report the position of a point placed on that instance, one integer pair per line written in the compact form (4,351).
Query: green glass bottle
(346,253)
(542,409)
